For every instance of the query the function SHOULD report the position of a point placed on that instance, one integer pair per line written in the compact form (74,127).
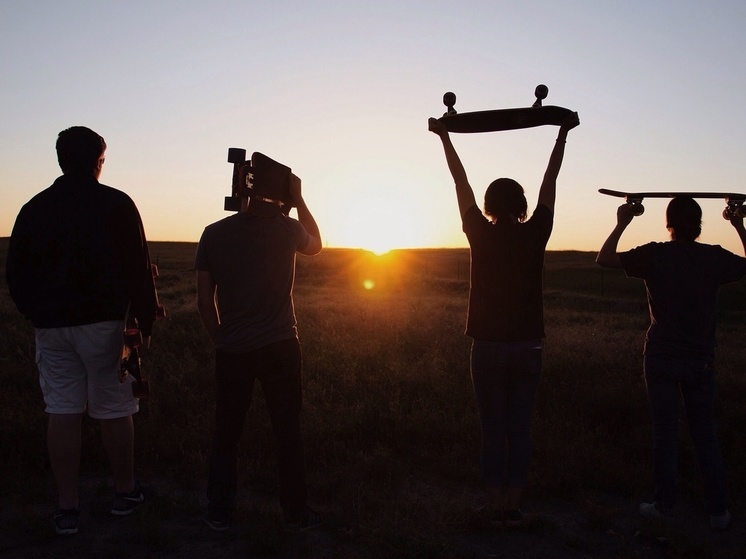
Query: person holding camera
(682,278)
(245,268)
(77,263)
(505,317)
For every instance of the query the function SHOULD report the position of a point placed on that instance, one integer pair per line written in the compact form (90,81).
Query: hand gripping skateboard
(734,201)
(131,363)
(260,176)
(503,119)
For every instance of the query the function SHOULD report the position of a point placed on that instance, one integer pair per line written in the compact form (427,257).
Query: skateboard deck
(261,176)
(734,201)
(503,119)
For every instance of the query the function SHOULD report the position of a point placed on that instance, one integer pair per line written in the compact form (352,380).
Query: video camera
(131,364)
(259,177)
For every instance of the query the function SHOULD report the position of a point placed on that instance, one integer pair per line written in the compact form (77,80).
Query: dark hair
(79,149)
(505,197)
(684,218)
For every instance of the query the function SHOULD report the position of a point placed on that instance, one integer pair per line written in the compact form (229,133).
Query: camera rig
(260,177)
(131,364)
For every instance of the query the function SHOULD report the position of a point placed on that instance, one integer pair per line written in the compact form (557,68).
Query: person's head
(684,218)
(504,200)
(80,151)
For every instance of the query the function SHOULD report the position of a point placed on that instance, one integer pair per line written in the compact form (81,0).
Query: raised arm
(548,190)
(306,218)
(464,192)
(737,223)
(608,257)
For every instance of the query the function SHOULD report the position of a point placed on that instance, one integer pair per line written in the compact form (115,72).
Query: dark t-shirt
(507,263)
(252,260)
(682,280)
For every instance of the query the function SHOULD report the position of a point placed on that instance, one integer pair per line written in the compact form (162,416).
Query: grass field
(389,421)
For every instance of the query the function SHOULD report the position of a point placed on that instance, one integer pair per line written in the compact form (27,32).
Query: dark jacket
(78,255)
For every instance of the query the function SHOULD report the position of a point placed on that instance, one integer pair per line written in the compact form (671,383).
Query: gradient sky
(340,91)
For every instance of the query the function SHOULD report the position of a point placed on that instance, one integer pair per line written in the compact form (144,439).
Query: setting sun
(374,212)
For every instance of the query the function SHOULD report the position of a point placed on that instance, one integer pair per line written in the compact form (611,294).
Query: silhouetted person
(506,317)
(682,278)
(77,260)
(245,270)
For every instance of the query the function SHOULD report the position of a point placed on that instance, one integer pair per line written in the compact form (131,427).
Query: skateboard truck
(503,119)
(449,99)
(259,177)
(734,202)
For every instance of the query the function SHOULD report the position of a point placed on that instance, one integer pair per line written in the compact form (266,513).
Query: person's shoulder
(473,215)
(224,223)
(114,193)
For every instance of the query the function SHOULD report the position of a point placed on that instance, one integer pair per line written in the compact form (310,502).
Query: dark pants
(668,379)
(278,368)
(506,379)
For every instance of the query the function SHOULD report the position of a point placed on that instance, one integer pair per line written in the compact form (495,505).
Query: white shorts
(79,369)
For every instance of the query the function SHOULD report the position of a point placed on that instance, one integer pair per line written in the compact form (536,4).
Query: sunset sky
(340,91)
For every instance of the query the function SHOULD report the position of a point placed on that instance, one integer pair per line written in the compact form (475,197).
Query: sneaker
(653,511)
(125,503)
(487,514)
(721,522)
(217,523)
(307,520)
(513,518)
(66,521)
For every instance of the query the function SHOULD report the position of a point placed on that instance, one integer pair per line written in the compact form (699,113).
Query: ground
(170,525)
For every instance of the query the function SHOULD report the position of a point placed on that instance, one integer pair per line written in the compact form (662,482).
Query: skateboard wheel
(637,209)
(449,99)
(541,91)
(236,155)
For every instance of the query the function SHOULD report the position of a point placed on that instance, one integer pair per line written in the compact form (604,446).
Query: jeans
(278,368)
(506,377)
(667,377)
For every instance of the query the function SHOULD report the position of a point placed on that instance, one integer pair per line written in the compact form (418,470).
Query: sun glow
(373,213)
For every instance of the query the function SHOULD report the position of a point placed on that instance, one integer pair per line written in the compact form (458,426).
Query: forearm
(742,235)
(548,190)
(209,315)
(608,257)
(306,219)
(206,304)
(464,193)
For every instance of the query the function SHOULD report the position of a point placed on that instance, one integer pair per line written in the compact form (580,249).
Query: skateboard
(260,176)
(734,202)
(131,364)
(503,119)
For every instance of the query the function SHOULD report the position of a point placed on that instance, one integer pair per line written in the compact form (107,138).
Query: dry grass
(390,423)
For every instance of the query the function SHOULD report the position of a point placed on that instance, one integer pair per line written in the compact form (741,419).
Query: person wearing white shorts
(79,371)
(77,264)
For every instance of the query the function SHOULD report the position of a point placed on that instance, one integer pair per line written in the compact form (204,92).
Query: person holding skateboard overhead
(682,278)
(505,317)
(245,267)
(77,263)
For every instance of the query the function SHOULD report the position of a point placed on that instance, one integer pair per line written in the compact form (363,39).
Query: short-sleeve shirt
(682,280)
(252,261)
(507,262)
